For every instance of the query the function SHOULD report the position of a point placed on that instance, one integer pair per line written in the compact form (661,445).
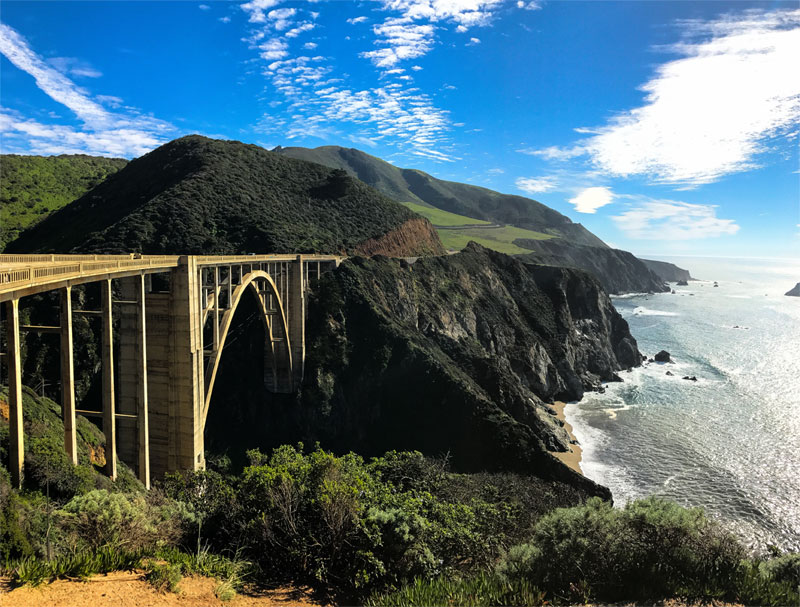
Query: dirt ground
(130,589)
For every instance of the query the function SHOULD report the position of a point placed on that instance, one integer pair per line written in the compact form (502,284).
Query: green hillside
(197,195)
(443,218)
(462,199)
(31,187)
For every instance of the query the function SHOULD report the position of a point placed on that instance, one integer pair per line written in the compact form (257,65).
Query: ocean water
(729,442)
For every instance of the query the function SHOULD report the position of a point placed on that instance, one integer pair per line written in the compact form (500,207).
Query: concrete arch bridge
(165,321)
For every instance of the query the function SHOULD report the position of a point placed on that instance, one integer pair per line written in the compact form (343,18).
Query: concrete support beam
(109,404)
(187,382)
(16,437)
(296,312)
(142,409)
(68,377)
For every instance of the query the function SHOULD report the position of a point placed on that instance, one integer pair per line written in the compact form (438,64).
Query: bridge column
(297,319)
(109,404)
(68,377)
(16,437)
(133,428)
(187,382)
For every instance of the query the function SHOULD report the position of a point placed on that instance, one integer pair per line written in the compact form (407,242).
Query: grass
(498,239)
(35,571)
(438,217)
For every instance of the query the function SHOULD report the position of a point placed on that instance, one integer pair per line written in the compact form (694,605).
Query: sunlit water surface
(729,442)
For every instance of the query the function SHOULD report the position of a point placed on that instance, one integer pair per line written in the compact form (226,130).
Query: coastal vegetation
(398,529)
(32,187)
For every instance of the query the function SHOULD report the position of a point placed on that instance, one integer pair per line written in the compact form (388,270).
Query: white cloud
(589,200)
(273,49)
(533,5)
(497,171)
(355,20)
(306,26)
(255,9)
(555,152)
(74,67)
(103,131)
(310,46)
(734,91)
(411,31)
(673,220)
(535,185)
(473,41)
(225,19)
(204,7)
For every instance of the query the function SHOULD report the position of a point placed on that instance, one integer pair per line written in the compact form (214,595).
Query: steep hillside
(525,225)
(31,187)
(618,271)
(458,354)
(668,272)
(411,185)
(199,195)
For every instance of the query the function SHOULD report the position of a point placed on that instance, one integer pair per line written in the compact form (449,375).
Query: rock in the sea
(794,292)
(663,357)
(670,373)
(692,378)
(715,284)
(682,283)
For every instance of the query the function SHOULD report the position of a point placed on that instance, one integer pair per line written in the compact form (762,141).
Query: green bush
(100,518)
(34,571)
(650,549)
(164,577)
(483,590)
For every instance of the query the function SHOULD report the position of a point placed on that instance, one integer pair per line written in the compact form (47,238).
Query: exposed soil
(130,589)
(415,237)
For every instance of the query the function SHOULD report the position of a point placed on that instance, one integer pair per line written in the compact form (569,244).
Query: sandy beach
(573,457)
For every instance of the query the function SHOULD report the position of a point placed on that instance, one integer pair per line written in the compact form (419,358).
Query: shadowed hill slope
(411,185)
(31,187)
(197,195)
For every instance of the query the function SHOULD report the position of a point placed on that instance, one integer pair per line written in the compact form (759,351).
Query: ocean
(729,442)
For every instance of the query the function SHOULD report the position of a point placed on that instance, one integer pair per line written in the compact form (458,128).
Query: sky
(666,128)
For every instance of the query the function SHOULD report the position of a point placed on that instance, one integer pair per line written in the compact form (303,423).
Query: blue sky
(664,127)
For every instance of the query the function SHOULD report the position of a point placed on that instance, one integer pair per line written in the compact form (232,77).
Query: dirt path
(130,589)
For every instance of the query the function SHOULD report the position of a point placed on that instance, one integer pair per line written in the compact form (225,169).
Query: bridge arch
(273,318)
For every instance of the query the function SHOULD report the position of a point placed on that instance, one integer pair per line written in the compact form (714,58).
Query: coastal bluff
(794,292)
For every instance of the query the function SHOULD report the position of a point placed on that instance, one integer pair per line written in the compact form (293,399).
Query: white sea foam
(642,311)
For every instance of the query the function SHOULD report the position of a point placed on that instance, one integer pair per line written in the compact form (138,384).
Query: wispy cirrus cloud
(411,31)
(673,220)
(103,131)
(732,94)
(317,103)
(536,185)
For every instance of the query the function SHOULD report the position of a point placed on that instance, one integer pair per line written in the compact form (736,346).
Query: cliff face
(668,272)
(618,271)
(794,292)
(457,355)
(414,238)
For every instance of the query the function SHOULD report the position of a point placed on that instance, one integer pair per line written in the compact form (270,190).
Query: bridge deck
(22,275)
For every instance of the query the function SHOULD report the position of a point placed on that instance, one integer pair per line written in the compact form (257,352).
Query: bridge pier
(109,396)
(16,435)
(68,377)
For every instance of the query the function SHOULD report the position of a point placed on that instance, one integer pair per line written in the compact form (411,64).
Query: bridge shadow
(243,414)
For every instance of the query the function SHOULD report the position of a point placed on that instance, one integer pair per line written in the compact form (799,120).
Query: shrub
(100,518)
(164,577)
(649,549)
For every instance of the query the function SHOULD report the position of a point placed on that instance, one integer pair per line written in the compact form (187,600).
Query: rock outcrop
(662,357)
(458,355)
(666,271)
(795,292)
(618,271)
(414,238)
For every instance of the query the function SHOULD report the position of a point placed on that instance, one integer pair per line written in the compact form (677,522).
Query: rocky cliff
(666,271)
(795,292)
(415,237)
(458,355)
(618,271)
